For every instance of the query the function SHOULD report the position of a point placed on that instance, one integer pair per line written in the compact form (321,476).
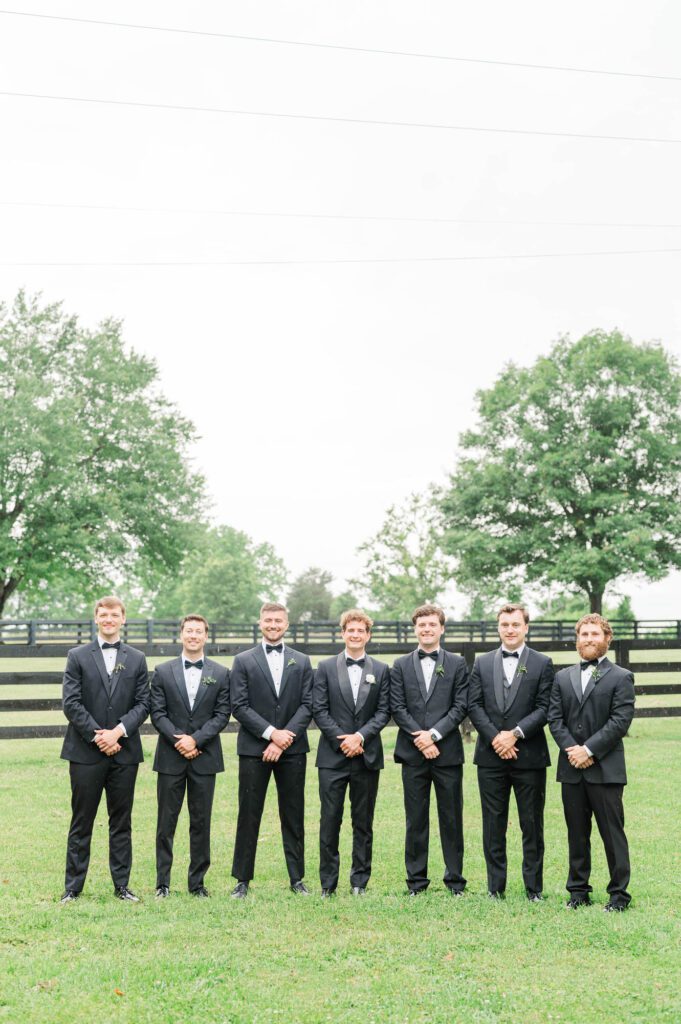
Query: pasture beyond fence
(626,652)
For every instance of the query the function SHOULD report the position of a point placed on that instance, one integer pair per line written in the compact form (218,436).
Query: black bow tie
(510,654)
(193,664)
(274,647)
(427,654)
(359,661)
(116,646)
(585,664)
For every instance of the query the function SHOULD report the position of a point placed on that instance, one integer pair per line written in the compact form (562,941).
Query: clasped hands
(351,744)
(423,741)
(578,757)
(107,740)
(504,744)
(186,745)
(280,740)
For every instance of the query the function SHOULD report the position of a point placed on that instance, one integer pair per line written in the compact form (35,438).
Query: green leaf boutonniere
(209,680)
(440,670)
(119,667)
(595,676)
(522,668)
(291,661)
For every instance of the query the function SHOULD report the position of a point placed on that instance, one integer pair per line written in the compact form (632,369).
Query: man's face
(428,629)
(512,629)
(356,636)
(193,636)
(273,625)
(109,622)
(591,641)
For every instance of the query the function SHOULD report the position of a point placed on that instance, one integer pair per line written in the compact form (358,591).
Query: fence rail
(70,632)
(623,651)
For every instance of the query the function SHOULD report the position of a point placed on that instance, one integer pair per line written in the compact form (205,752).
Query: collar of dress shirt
(518,649)
(346,654)
(102,640)
(266,642)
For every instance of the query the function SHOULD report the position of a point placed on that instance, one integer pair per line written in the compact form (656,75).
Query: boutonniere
(119,667)
(291,661)
(208,680)
(440,670)
(522,668)
(370,679)
(595,676)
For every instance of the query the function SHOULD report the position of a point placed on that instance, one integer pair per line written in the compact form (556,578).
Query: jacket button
(109,708)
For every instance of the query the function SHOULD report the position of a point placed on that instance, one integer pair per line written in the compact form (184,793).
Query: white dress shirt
(192,680)
(510,666)
(275,660)
(110,655)
(586,676)
(428,667)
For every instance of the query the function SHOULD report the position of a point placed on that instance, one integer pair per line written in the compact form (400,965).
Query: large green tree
(573,473)
(404,564)
(95,481)
(310,596)
(224,576)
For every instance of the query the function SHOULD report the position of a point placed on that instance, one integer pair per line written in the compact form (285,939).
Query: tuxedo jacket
(93,701)
(444,707)
(171,713)
(599,720)
(256,706)
(527,707)
(335,711)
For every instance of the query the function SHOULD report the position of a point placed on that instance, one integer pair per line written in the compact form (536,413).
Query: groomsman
(351,704)
(591,708)
(106,699)
(189,709)
(271,688)
(508,702)
(429,696)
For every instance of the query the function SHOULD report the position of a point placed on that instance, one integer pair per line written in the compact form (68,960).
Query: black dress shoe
(123,893)
(576,903)
(615,908)
(162,891)
(328,893)
(535,897)
(300,889)
(415,892)
(240,891)
(201,893)
(496,895)
(69,896)
(454,892)
(359,890)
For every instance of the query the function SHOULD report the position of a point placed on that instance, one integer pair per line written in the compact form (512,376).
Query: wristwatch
(517,733)
(433,735)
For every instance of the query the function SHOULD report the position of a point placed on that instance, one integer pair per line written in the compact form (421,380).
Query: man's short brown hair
(355,615)
(194,618)
(428,609)
(273,606)
(110,601)
(597,620)
(508,609)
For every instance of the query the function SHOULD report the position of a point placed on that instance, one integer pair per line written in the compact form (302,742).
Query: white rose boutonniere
(371,679)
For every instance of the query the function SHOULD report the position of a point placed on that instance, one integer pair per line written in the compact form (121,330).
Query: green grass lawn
(279,957)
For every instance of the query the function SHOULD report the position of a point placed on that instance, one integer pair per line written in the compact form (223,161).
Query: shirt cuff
(589,752)
(522,734)
(267,735)
(436,734)
(125,731)
(361,736)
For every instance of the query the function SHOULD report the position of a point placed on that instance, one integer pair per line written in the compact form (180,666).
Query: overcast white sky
(353,378)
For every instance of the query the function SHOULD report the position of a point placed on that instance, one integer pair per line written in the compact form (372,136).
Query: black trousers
(88,781)
(447,780)
(581,801)
(333,784)
(170,790)
(254,778)
(529,786)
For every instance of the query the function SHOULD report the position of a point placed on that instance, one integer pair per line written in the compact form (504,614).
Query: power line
(346,49)
(334,120)
(111,264)
(265,214)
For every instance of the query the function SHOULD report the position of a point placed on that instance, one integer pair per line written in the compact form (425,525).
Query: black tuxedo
(336,713)
(494,707)
(94,700)
(172,714)
(256,705)
(598,719)
(442,708)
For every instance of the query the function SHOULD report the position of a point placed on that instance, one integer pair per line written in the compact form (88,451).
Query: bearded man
(590,711)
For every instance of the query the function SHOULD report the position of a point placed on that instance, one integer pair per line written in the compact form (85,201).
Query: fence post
(150,631)
(32,632)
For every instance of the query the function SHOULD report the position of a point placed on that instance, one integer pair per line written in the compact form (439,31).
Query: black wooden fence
(622,651)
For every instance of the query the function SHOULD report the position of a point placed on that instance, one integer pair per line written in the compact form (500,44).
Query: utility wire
(329,216)
(346,49)
(325,262)
(334,120)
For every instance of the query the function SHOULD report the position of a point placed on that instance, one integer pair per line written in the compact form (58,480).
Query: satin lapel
(364,687)
(121,658)
(178,676)
(576,680)
(418,672)
(287,669)
(205,671)
(261,662)
(344,684)
(99,662)
(434,678)
(604,667)
(518,677)
(498,676)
